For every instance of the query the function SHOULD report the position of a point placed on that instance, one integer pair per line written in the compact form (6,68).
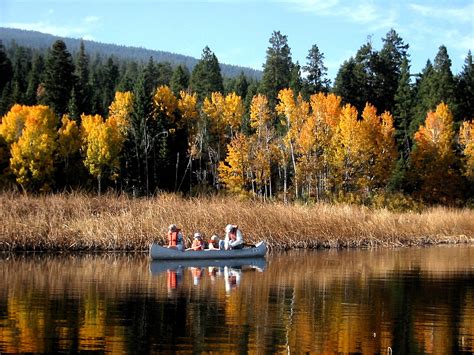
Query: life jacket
(173,238)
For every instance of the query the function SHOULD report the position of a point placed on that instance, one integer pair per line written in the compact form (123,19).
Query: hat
(228,228)
(172,227)
(214,237)
(197,235)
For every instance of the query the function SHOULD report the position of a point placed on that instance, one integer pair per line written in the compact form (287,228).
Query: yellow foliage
(187,106)
(120,110)
(260,114)
(466,139)
(165,102)
(101,144)
(32,154)
(233,174)
(433,156)
(69,141)
(224,112)
(14,121)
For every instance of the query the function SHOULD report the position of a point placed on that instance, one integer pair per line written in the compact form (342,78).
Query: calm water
(408,300)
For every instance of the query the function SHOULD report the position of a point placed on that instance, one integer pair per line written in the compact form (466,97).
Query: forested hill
(38,40)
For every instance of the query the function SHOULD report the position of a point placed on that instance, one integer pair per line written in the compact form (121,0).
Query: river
(403,301)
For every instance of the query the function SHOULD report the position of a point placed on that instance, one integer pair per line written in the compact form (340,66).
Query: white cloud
(82,29)
(364,13)
(45,27)
(456,14)
(92,19)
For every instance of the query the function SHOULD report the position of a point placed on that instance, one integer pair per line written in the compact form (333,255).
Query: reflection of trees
(347,302)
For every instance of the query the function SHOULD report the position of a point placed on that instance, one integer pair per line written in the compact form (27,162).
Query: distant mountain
(38,40)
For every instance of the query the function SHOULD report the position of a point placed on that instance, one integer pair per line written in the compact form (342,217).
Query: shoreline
(78,222)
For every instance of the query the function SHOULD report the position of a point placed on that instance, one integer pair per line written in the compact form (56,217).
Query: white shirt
(229,243)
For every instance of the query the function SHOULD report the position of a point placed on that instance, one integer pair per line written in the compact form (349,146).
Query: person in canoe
(233,237)
(175,238)
(198,242)
(214,243)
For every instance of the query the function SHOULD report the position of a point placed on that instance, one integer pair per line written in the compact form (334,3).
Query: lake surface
(364,301)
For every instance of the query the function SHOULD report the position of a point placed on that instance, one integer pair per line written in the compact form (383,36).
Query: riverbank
(79,222)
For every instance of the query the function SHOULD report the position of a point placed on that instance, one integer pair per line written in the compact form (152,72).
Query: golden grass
(82,222)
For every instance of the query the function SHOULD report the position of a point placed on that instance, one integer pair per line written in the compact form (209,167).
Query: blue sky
(238,31)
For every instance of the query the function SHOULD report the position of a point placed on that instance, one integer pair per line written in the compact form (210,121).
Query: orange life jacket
(173,238)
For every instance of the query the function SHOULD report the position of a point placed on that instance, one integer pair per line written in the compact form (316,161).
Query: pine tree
(206,77)
(180,79)
(58,79)
(392,55)
(6,70)
(465,89)
(164,72)
(277,68)
(82,90)
(34,79)
(296,83)
(316,80)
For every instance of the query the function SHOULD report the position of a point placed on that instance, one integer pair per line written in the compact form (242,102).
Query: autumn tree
(261,145)
(295,113)
(432,175)
(466,140)
(31,133)
(316,137)
(101,145)
(234,172)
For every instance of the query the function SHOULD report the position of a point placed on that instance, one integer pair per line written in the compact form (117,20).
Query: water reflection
(229,271)
(411,300)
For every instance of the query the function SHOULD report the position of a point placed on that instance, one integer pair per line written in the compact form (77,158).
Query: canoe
(157,252)
(160,266)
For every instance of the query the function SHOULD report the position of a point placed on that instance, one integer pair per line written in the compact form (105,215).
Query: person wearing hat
(233,237)
(175,238)
(198,243)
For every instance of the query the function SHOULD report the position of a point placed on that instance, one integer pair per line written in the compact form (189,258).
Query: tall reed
(78,221)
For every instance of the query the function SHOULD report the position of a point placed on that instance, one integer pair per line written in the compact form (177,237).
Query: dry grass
(81,222)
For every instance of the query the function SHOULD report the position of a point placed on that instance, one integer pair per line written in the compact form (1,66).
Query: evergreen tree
(403,111)
(164,72)
(180,79)
(465,89)
(277,67)
(110,79)
(206,76)
(350,84)
(34,79)
(316,80)
(241,85)
(392,55)
(436,85)
(82,90)
(58,79)
(21,69)
(128,79)
(6,70)
(296,83)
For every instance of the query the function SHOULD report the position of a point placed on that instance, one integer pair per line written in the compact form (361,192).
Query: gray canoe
(158,252)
